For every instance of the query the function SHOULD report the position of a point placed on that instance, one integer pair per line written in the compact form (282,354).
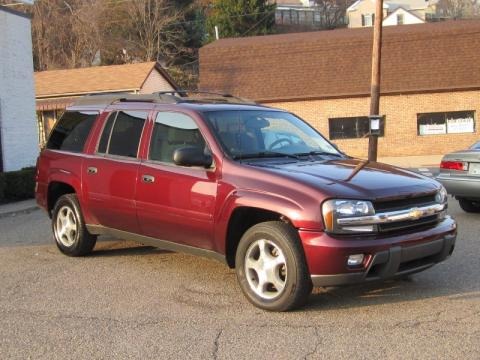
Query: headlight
(332,210)
(441,196)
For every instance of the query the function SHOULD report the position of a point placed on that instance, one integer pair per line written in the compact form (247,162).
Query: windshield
(251,133)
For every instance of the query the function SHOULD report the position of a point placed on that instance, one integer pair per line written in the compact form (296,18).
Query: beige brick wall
(401,121)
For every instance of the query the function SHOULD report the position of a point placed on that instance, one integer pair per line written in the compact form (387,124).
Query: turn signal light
(454,165)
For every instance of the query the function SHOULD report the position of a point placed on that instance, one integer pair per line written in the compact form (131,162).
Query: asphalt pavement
(132,301)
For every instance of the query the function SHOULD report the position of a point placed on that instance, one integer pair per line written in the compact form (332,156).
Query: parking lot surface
(131,301)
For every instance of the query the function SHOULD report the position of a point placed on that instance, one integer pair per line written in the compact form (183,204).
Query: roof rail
(161,97)
(111,98)
(206,96)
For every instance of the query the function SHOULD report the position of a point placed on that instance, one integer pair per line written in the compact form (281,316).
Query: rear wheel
(271,267)
(70,233)
(469,205)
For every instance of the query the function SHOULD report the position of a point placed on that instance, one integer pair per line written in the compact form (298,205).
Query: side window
(172,131)
(122,132)
(71,131)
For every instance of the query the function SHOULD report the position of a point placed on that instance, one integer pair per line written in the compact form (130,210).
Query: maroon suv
(252,186)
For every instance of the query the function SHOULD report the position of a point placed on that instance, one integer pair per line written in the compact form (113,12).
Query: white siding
(155,82)
(408,18)
(18,128)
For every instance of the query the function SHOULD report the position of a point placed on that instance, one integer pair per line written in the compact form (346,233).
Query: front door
(176,203)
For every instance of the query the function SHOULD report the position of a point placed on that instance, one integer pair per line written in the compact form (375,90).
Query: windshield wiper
(265,154)
(318,152)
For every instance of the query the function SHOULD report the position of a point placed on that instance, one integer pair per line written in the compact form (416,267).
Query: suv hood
(353,178)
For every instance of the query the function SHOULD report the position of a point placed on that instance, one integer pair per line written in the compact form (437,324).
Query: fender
(287,207)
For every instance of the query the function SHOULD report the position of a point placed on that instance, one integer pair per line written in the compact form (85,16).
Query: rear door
(176,203)
(110,174)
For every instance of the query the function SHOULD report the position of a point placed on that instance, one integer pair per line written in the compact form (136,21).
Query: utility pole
(375,85)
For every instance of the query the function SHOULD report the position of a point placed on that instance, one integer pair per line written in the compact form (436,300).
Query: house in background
(395,12)
(298,15)
(430,83)
(57,89)
(18,133)
(401,16)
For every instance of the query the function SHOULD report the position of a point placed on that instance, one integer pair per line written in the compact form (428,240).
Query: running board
(161,244)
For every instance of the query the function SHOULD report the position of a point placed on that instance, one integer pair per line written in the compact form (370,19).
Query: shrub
(18,185)
(2,187)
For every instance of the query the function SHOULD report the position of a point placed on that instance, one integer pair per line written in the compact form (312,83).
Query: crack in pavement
(216,345)
(318,342)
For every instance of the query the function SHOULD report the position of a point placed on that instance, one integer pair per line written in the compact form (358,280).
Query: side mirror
(191,156)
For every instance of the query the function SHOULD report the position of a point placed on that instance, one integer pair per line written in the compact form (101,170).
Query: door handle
(92,170)
(148,179)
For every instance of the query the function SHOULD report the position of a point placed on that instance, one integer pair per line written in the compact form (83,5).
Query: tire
(279,244)
(69,231)
(469,205)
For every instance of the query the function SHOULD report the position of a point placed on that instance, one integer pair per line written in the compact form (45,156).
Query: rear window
(71,131)
(122,132)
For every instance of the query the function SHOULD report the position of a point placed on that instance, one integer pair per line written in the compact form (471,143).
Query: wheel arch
(242,219)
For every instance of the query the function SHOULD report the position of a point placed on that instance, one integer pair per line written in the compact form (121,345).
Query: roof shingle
(92,79)
(337,63)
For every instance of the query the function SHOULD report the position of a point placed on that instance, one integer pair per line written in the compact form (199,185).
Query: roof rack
(161,97)
(206,96)
(111,98)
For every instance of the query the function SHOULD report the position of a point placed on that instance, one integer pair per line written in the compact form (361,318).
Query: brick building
(430,82)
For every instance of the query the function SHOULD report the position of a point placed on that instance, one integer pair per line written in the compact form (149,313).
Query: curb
(17,212)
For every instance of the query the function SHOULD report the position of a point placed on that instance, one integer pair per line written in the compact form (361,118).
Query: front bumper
(385,257)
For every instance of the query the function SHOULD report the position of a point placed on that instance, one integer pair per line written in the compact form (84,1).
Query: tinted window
(71,131)
(126,133)
(352,127)
(102,146)
(172,131)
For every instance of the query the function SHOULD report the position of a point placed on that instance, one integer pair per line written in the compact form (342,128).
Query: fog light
(355,260)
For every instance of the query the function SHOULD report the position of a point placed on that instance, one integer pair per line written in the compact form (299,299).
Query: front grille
(411,225)
(403,204)
(392,205)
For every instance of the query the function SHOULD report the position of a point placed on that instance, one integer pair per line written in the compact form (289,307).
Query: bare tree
(456,9)
(155,36)
(332,12)
(66,34)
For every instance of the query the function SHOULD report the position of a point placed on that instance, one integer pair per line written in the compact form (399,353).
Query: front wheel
(271,267)
(71,235)
(469,205)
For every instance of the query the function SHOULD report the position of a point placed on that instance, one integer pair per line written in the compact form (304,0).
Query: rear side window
(122,132)
(71,131)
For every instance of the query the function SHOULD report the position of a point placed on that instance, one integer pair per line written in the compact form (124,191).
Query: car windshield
(257,134)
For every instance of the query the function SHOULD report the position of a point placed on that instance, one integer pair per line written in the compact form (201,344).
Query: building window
(399,19)
(351,127)
(278,17)
(368,19)
(301,17)
(453,122)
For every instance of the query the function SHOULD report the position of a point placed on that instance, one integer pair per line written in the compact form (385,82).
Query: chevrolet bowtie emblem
(416,214)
